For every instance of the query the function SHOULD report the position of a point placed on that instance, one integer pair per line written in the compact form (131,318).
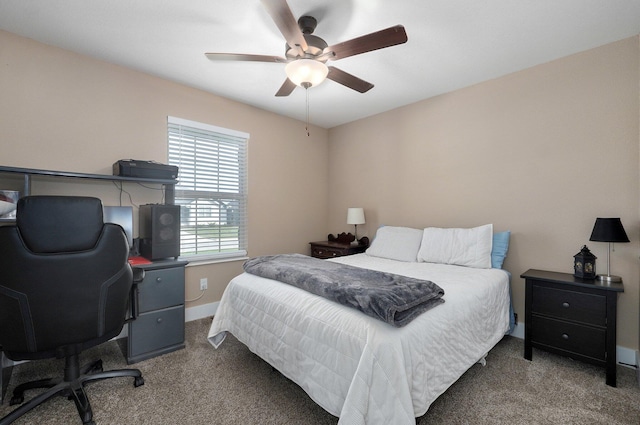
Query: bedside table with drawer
(327,249)
(573,317)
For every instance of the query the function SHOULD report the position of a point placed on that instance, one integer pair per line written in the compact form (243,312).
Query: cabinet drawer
(325,252)
(161,288)
(584,340)
(570,305)
(156,330)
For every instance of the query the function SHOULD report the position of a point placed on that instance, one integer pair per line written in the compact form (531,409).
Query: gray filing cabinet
(159,305)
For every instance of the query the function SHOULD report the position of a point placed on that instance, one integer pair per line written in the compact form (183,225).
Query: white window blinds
(211,189)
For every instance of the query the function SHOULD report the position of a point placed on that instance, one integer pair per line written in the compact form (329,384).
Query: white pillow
(462,247)
(396,243)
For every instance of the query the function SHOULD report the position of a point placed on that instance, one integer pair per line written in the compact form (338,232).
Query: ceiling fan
(306,54)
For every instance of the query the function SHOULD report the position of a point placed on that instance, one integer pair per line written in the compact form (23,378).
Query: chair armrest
(138,277)
(138,274)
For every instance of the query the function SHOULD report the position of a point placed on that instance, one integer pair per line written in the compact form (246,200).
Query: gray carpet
(201,385)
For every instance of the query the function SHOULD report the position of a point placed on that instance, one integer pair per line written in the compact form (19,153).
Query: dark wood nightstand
(326,249)
(573,317)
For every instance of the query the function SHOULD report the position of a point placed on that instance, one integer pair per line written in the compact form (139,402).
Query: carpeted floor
(201,385)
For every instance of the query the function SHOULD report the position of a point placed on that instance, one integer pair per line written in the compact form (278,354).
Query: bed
(359,368)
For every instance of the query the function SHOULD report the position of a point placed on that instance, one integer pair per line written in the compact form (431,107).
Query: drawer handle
(158,279)
(565,304)
(565,337)
(159,320)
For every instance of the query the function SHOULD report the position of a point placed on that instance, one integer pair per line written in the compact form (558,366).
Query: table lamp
(355,216)
(608,230)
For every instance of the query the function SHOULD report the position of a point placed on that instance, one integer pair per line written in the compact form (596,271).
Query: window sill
(205,261)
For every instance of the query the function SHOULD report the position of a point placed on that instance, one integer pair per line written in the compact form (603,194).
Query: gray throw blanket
(391,298)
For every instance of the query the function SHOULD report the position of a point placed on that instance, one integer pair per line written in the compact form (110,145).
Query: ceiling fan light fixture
(306,72)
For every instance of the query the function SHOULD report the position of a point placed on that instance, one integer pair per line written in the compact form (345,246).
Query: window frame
(223,141)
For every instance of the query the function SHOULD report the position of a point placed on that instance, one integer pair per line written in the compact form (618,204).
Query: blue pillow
(499,249)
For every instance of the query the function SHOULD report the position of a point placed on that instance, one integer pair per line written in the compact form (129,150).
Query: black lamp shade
(608,230)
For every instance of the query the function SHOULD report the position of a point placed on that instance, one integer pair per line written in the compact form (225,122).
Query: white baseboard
(626,355)
(518,331)
(201,311)
(623,354)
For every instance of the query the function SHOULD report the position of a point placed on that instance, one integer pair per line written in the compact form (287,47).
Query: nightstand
(327,249)
(573,317)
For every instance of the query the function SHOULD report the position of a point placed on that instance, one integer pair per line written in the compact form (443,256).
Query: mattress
(359,368)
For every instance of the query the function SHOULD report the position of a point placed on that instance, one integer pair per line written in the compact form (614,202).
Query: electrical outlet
(203,283)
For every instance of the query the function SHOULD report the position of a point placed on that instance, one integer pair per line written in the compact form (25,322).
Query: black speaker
(159,231)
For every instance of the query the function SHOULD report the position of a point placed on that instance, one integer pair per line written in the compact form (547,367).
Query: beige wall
(63,111)
(541,152)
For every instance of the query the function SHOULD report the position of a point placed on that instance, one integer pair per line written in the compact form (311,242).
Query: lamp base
(608,278)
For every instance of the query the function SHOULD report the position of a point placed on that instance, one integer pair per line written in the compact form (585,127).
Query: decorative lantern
(584,264)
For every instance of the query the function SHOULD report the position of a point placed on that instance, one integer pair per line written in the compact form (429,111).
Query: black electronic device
(122,216)
(144,169)
(159,230)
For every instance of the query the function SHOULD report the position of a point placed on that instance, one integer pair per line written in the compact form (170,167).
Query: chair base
(72,387)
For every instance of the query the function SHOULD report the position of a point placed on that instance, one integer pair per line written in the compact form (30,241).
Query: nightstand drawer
(570,305)
(327,249)
(322,252)
(570,337)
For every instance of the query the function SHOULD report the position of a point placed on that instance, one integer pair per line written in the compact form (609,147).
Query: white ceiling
(452,43)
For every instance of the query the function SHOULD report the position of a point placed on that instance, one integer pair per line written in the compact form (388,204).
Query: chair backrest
(64,278)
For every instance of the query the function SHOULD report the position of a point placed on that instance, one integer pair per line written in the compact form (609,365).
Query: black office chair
(64,287)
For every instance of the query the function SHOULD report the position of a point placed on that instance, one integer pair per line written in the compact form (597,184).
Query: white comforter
(359,368)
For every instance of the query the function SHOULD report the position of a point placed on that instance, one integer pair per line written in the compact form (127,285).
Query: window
(211,189)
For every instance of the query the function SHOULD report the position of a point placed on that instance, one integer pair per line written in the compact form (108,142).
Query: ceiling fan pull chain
(306,90)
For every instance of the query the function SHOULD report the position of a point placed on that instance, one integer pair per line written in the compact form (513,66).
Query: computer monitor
(122,216)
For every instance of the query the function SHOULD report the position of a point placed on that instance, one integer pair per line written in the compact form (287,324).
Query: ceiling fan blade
(244,57)
(286,88)
(287,24)
(348,80)
(376,40)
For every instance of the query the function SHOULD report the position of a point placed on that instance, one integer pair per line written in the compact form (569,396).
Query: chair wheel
(16,400)
(138,381)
